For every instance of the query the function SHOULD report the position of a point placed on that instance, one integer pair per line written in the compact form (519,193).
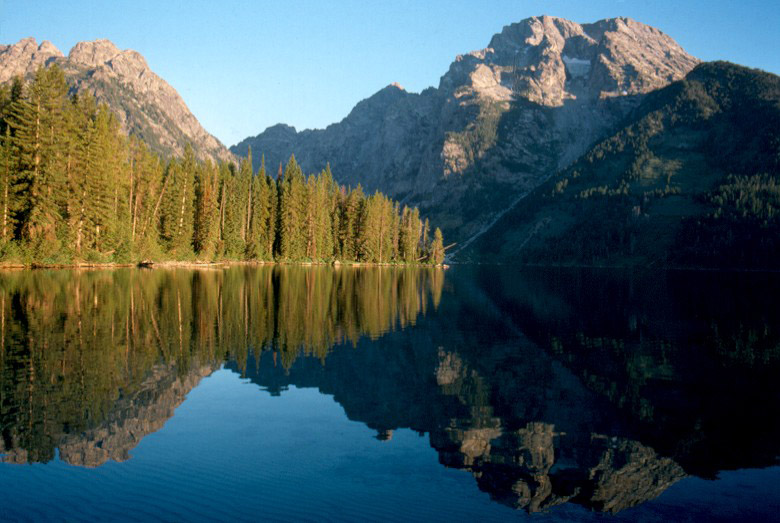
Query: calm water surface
(293,393)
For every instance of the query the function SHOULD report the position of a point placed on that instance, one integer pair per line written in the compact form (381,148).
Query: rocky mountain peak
(25,56)
(94,53)
(502,120)
(49,48)
(549,60)
(145,104)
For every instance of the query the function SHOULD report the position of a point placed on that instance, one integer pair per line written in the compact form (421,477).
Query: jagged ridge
(146,105)
(500,122)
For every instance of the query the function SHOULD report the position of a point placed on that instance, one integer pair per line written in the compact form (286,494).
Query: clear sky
(244,65)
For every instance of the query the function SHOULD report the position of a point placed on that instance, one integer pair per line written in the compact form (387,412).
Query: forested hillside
(73,188)
(689,180)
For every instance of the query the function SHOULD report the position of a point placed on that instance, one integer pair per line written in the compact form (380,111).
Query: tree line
(74,188)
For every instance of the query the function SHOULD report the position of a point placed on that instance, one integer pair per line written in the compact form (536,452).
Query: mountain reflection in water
(599,388)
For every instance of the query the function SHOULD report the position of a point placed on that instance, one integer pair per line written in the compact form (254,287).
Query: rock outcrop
(500,122)
(145,104)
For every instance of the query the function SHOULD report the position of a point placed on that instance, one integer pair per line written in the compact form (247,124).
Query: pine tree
(409,235)
(83,114)
(437,248)
(207,210)
(105,184)
(292,213)
(395,230)
(177,211)
(336,203)
(255,245)
(375,238)
(7,203)
(72,185)
(234,214)
(150,187)
(245,175)
(37,120)
(310,218)
(271,230)
(324,197)
(350,223)
(424,246)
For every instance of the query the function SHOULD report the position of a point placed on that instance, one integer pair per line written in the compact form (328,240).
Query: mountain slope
(501,120)
(690,179)
(146,105)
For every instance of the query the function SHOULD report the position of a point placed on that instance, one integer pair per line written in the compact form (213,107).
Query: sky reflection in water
(574,393)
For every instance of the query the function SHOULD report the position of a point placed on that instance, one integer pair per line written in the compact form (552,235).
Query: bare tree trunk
(248,210)
(183,202)
(130,203)
(5,204)
(157,205)
(222,213)
(80,227)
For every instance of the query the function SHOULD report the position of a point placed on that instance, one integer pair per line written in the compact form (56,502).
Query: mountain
(145,104)
(501,121)
(131,418)
(690,179)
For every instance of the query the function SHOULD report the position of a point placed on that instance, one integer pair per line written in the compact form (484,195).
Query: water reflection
(92,361)
(598,388)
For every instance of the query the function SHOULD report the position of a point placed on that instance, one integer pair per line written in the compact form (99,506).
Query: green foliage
(74,189)
(436,254)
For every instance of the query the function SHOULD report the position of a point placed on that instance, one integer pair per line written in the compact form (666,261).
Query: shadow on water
(600,388)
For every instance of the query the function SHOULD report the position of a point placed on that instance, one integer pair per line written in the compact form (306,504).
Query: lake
(314,393)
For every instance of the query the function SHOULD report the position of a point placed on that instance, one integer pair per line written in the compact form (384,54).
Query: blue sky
(244,65)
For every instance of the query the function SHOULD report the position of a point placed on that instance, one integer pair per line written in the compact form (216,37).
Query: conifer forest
(75,189)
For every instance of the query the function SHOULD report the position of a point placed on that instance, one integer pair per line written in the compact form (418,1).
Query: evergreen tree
(270,234)
(177,211)
(104,186)
(436,255)
(292,213)
(73,187)
(409,235)
(149,188)
(244,196)
(37,120)
(350,223)
(325,189)
(256,237)
(375,238)
(207,210)
(83,114)
(7,195)
(395,231)
(234,214)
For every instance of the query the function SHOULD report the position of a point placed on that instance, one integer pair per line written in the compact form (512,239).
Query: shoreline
(148,264)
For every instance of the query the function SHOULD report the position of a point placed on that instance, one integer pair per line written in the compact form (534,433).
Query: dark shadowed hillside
(689,180)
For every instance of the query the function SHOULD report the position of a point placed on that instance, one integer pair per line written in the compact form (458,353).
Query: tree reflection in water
(596,388)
